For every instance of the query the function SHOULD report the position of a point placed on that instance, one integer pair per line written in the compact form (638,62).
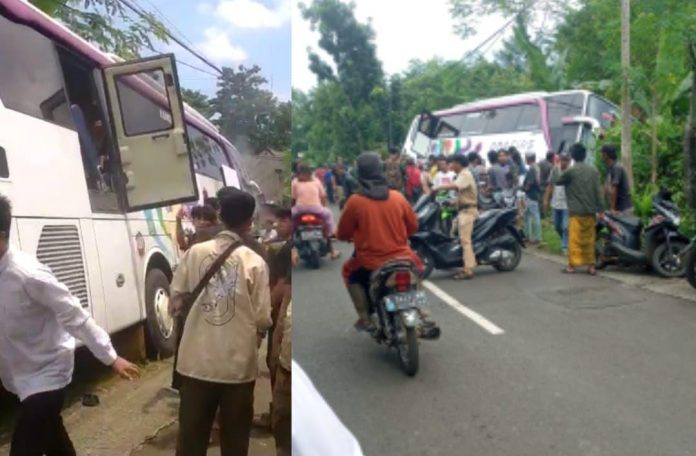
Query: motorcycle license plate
(405,301)
(311,235)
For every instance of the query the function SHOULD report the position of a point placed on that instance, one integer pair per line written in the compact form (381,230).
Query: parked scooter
(499,200)
(622,240)
(496,240)
(310,240)
(690,262)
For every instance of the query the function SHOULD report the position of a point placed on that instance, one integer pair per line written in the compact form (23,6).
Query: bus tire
(161,336)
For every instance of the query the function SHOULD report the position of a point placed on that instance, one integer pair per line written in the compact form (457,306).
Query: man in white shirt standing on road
(39,324)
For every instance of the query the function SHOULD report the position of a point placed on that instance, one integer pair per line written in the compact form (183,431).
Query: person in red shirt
(414,185)
(379,222)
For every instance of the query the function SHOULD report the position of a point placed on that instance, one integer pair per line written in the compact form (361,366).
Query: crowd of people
(216,362)
(572,196)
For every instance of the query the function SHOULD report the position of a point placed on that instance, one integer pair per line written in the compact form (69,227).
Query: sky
(405,30)
(228,33)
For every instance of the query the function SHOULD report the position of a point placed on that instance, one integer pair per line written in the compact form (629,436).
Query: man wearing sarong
(584,197)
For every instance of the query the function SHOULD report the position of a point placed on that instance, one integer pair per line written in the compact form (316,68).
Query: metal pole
(625,92)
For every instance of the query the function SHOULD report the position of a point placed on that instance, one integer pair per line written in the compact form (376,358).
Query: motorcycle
(621,240)
(500,200)
(496,240)
(690,262)
(395,298)
(310,240)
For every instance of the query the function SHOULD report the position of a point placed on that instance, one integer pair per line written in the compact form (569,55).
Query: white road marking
(462,309)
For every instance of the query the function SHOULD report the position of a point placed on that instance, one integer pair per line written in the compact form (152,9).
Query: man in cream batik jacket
(218,355)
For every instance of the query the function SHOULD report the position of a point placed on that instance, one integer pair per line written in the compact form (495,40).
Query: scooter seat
(393,265)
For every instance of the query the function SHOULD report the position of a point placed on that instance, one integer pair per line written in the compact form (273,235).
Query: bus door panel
(91,254)
(121,296)
(59,244)
(424,134)
(44,167)
(147,118)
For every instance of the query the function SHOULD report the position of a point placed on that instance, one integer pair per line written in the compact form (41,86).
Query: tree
(108,24)
(249,114)
(354,68)
(467,12)
(198,101)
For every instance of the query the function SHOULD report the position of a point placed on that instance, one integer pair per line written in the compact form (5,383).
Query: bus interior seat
(90,155)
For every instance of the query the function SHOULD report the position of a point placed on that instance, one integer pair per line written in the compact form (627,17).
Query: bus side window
(30,75)
(208,156)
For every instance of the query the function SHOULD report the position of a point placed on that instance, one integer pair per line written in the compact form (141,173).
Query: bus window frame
(97,82)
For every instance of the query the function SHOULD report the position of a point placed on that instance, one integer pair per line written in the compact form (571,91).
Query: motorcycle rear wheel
(314,260)
(408,352)
(663,260)
(691,268)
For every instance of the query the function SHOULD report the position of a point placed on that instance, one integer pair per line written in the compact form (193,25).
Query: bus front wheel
(160,324)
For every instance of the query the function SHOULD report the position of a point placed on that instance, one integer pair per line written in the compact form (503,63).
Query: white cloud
(204,8)
(218,47)
(405,30)
(251,14)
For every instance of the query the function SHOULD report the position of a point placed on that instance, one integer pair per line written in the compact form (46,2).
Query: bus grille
(60,249)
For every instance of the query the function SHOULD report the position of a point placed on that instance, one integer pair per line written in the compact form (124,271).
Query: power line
(181,62)
(140,13)
(498,32)
(161,16)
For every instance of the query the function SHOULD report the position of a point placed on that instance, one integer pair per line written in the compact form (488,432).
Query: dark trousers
(39,429)
(178,333)
(199,402)
(282,412)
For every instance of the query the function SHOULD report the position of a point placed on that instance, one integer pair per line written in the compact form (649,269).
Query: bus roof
(22,12)
(501,102)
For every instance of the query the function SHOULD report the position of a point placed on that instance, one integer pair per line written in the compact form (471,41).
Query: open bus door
(430,127)
(587,131)
(155,159)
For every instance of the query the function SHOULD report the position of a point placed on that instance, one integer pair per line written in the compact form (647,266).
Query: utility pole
(690,139)
(625,89)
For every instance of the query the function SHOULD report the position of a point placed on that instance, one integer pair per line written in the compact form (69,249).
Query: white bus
(535,121)
(97,156)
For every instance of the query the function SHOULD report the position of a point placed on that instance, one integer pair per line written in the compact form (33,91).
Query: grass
(552,242)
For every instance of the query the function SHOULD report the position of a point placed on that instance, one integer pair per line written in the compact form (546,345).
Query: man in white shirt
(444,177)
(218,355)
(316,430)
(40,321)
(559,204)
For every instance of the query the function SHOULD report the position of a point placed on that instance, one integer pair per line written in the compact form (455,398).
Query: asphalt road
(585,366)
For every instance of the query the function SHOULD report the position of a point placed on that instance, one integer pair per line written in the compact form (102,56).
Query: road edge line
(472,315)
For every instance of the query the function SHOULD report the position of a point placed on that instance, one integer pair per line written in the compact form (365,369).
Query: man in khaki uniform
(224,328)
(467,201)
